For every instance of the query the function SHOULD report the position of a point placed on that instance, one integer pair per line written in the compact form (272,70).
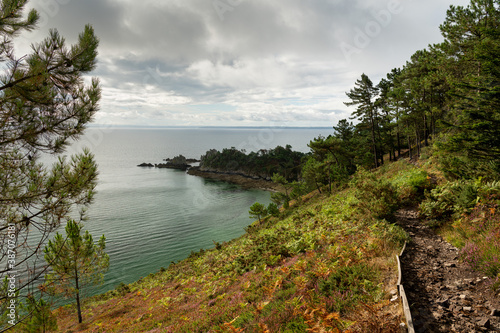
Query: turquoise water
(151,217)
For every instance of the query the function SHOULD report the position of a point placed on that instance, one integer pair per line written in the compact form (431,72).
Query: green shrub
(297,325)
(419,180)
(467,197)
(280,316)
(122,289)
(273,210)
(267,249)
(450,200)
(461,167)
(40,318)
(426,153)
(375,195)
(244,319)
(489,190)
(411,183)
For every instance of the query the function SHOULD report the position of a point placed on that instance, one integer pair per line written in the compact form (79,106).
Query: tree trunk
(398,135)
(374,142)
(381,145)
(417,143)
(318,187)
(409,140)
(78,307)
(418,139)
(409,147)
(399,143)
(426,131)
(329,180)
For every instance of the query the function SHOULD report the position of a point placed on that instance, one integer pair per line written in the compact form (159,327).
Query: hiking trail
(443,293)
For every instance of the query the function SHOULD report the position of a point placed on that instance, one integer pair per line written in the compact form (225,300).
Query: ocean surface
(152,217)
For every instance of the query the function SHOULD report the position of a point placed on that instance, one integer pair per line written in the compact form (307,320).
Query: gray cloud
(246,62)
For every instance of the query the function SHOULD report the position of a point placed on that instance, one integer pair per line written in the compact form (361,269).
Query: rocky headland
(245,181)
(183,167)
(177,163)
(188,160)
(239,177)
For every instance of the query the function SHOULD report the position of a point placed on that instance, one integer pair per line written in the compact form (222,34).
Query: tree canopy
(263,163)
(44,103)
(448,92)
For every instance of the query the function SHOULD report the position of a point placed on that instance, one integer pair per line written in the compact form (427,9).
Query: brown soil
(245,182)
(443,293)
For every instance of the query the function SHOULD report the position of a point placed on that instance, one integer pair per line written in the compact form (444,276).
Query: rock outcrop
(146,165)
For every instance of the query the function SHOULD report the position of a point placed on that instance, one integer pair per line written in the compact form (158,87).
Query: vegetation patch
(317,265)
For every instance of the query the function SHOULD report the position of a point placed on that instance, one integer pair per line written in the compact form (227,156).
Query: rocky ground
(245,182)
(444,295)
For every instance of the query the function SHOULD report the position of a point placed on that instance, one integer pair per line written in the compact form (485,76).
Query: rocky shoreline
(244,181)
(182,167)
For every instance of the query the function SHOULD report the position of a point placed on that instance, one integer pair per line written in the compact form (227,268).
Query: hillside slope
(327,263)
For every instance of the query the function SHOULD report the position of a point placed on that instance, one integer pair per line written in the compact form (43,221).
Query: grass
(477,234)
(327,265)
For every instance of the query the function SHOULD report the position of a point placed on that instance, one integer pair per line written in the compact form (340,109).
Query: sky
(239,62)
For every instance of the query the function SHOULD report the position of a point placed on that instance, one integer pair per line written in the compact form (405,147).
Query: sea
(152,217)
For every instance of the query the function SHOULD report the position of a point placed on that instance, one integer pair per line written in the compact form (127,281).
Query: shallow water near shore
(152,217)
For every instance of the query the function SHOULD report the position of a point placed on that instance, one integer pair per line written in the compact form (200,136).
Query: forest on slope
(447,96)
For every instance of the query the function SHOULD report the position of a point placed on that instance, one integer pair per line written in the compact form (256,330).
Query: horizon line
(208,127)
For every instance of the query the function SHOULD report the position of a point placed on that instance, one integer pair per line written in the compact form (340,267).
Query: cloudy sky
(240,62)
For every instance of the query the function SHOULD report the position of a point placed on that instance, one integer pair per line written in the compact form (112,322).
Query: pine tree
(257,210)
(386,124)
(472,43)
(75,262)
(363,96)
(44,104)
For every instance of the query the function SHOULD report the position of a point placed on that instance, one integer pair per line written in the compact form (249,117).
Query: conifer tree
(257,210)
(472,43)
(75,263)
(363,96)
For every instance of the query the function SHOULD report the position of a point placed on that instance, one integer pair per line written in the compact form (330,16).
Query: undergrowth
(474,225)
(326,265)
(466,212)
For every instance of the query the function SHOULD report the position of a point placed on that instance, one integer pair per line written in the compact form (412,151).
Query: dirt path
(444,295)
